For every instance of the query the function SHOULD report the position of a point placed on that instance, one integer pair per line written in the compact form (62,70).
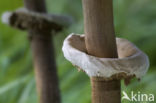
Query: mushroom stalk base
(105,91)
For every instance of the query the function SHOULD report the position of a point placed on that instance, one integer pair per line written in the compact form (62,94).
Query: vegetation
(134,20)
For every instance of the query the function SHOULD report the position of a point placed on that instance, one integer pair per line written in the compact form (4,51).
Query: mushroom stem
(44,59)
(100,42)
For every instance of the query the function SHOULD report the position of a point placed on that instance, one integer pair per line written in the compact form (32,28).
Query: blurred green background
(135,20)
